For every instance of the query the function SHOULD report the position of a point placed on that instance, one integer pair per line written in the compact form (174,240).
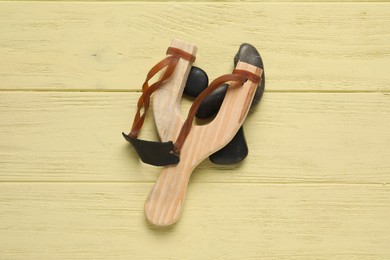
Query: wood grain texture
(314,186)
(167,98)
(111,46)
(293,137)
(105,221)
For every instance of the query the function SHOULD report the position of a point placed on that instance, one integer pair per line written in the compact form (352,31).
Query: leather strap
(154,153)
(144,101)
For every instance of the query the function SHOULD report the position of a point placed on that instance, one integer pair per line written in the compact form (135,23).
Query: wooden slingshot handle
(165,202)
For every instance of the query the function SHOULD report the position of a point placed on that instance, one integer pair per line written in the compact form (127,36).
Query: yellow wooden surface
(314,186)
(109,46)
(224,221)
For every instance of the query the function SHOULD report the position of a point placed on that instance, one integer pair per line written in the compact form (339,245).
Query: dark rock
(211,104)
(234,152)
(197,81)
(237,149)
(247,53)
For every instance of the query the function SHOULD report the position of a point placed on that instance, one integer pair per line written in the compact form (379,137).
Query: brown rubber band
(144,101)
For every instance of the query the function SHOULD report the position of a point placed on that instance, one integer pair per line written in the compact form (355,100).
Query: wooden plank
(106,221)
(111,46)
(293,137)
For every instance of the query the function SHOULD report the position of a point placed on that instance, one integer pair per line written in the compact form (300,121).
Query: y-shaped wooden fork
(164,205)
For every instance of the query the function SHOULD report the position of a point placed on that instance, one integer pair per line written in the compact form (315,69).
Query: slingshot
(184,145)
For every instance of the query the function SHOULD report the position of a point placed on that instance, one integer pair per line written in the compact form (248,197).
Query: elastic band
(144,101)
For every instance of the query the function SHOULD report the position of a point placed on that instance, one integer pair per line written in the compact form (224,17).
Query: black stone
(237,149)
(247,53)
(234,152)
(211,104)
(197,81)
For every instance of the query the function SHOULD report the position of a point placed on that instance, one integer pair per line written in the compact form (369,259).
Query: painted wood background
(314,186)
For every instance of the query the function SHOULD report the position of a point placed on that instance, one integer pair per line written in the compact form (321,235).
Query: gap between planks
(201,2)
(263,183)
(139,91)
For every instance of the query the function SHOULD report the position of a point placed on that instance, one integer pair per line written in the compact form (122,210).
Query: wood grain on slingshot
(165,202)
